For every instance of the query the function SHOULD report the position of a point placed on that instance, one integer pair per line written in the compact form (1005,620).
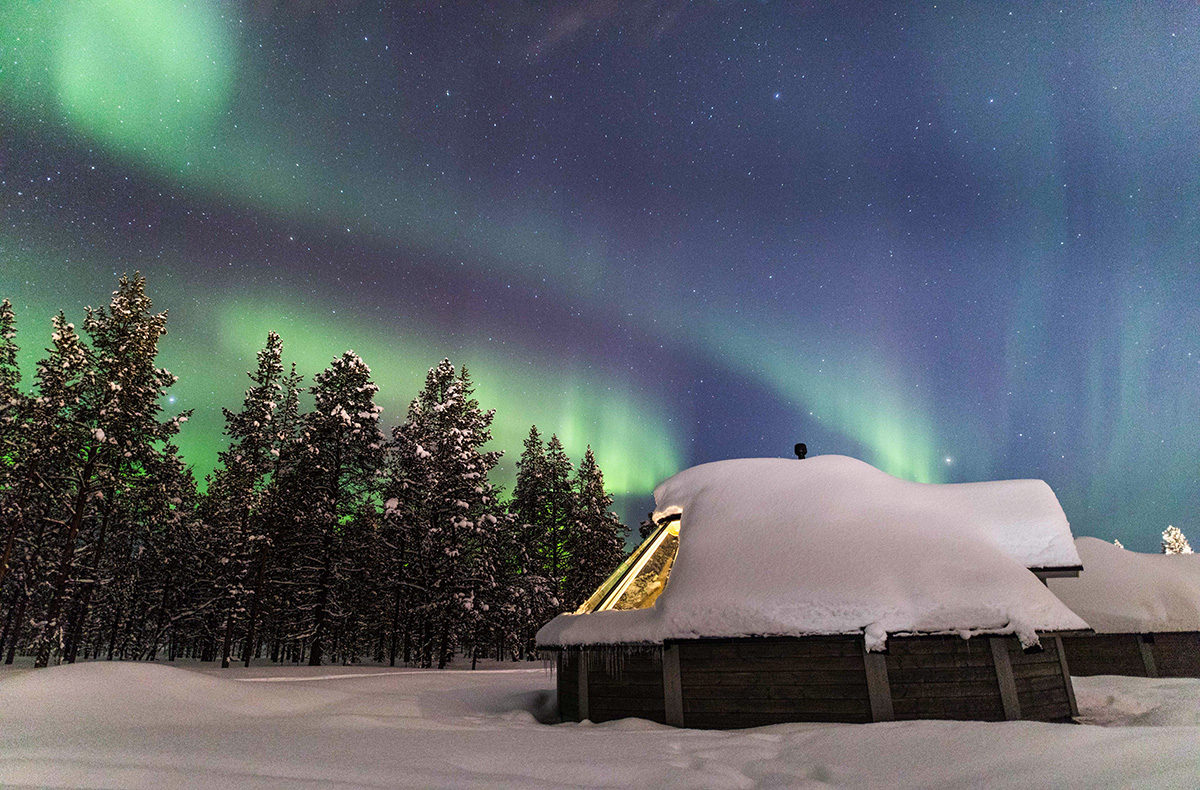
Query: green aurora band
(169,119)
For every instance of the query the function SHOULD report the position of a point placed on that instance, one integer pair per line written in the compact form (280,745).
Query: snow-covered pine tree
(1174,542)
(280,512)
(439,486)
(51,442)
(1117,542)
(233,504)
(647,526)
(338,474)
(596,542)
(534,600)
(528,503)
(15,472)
(559,511)
(18,470)
(110,423)
(152,567)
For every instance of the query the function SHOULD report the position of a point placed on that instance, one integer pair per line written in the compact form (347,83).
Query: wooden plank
(974,688)
(1147,651)
(1177,655)
(879,691)
(1068,686)
(672,684)
(1037,670)
(964,709)
(1004,676)
(1019,658)
(727,721)
(905,646)
(754,649)
(1105,654)
(788,678)
(772,664)
(935,660)
(596,691)
(822,691)
(598,677)
(940,675)
(779,706)
(1051,711)
(582,698)
(1039,684)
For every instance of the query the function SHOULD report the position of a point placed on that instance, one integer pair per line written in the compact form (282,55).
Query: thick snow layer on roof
(831,545)
(1122,591)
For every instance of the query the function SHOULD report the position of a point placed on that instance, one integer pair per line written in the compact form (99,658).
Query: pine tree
(236,493)
(596,542)
(1174,542)
(559,516)
(103,405)
(439,487)
(280,511)
(338,471)
(528,503)
(15,471)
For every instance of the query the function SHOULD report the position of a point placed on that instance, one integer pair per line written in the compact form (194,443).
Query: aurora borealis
(958,241)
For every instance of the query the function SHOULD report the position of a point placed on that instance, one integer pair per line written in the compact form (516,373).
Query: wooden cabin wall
(943,677)
(734,683)
(1105,654)
(1177,655)
(568,684)
(625,684)
(1165,655)
(749,683)
(1041,688)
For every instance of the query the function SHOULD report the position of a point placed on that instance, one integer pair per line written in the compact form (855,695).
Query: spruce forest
(317,539)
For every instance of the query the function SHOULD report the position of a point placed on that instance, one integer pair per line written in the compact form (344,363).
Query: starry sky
(958,241)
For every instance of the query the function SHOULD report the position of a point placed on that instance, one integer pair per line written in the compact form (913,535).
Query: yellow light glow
(641,578)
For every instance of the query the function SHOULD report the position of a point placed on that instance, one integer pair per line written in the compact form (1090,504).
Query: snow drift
(831,545)
(1123,591)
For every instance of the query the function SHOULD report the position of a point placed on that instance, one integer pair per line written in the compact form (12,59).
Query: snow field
(134,725)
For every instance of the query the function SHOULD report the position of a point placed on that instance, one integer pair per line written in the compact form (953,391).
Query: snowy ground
(149,725)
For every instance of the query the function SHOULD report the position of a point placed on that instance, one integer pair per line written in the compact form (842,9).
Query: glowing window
(640,579)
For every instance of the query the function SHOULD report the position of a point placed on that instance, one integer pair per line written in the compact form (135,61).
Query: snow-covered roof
(831,545)
(1123,591)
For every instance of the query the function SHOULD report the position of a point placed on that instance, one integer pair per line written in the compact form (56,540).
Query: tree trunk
(64,564)
(395,627)
(260,574)
(18,626)
(85,601)
(17,520)
(228,641)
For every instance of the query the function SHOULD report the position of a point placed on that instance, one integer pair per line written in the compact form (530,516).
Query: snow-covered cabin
(826,590)
(1145,609)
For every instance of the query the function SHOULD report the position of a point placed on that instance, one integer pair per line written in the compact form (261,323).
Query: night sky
(958,241)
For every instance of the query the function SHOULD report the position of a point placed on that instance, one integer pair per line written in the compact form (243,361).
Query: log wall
(943,677)
(749,683)
(1041,691)
(1177,655)
(1168,655)
(732,683)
